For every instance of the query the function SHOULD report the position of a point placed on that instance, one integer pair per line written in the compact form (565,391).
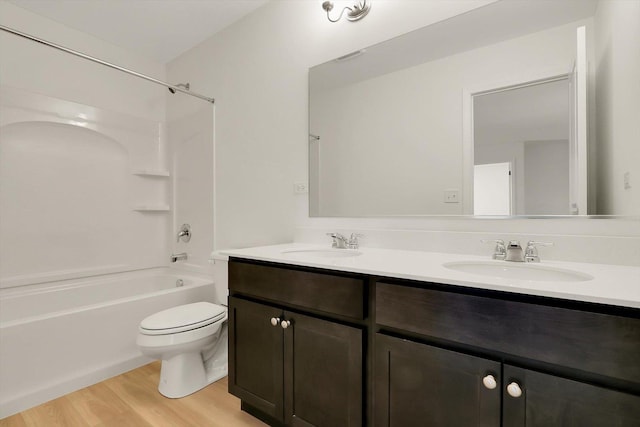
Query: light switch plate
(452,196)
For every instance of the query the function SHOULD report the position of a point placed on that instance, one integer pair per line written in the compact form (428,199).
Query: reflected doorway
(492,189)
(529,128)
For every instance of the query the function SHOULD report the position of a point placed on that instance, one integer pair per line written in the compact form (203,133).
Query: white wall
(257,71)
(72,133)
(618,115)
(546,177)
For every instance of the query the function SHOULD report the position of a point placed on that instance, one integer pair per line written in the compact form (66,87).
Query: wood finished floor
(132,399)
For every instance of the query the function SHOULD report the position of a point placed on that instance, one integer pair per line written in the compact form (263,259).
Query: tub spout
(178,257)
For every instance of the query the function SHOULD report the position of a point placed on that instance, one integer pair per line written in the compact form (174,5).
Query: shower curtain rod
(100,61)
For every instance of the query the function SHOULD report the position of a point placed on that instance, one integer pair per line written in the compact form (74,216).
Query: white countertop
(611,284)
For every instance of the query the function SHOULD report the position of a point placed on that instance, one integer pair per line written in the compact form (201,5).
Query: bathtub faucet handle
(184,233)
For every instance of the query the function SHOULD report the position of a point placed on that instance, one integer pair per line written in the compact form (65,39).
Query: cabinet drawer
(600,343)
(330,293)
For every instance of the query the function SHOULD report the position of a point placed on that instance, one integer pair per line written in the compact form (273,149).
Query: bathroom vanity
(298,335)
(368,340)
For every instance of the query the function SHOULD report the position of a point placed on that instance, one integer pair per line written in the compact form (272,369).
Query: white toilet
(191,341)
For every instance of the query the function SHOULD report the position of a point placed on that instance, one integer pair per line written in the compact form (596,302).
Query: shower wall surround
(258,71)
(81,147)
(75,195)
(191,148)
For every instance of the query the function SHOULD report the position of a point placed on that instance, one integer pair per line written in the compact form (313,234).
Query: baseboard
(57,389)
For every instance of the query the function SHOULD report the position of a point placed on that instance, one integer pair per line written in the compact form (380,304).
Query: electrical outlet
(452,196)
(300,188)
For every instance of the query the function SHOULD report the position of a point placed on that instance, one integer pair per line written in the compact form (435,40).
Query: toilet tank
(220,277)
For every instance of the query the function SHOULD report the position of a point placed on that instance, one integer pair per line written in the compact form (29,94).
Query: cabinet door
(548,401)
(255,356)
(323,373)
(421,385)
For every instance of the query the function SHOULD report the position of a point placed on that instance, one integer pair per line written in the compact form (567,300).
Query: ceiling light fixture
(355,13)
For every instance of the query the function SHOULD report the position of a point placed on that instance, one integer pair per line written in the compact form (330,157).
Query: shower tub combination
(62,336)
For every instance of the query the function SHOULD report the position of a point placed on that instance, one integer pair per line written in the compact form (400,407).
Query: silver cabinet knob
(275,321)
(490,382)
(514,389)
(285,324)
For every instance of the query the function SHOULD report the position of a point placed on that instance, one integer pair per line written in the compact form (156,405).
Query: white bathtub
(62,336)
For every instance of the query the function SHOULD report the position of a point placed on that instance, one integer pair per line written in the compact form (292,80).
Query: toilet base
(182,375)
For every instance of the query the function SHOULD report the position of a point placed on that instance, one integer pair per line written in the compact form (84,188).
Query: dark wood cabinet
(357,350)
(295,369)
(577,347)
(422,385)
(323,373)
(549,400)
(331,294)
(601,343)
(256,356)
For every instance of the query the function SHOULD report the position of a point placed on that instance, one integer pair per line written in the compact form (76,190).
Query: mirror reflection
(514,108)
(522,159)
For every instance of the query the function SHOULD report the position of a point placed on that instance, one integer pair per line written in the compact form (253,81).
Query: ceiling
(158,29)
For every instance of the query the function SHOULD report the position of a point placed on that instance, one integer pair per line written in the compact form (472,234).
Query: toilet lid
(182,318)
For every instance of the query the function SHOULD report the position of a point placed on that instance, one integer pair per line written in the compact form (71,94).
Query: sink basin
(519,271)
(322,253)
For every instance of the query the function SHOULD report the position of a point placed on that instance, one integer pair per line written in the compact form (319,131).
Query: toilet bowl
(190,340)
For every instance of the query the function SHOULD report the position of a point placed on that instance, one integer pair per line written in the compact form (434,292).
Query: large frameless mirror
(521,108)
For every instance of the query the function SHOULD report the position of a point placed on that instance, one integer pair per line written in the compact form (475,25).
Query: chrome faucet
(341,242)
(514,252)
(178,257)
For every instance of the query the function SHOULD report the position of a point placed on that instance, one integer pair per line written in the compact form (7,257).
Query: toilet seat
(187,339)
(182,318)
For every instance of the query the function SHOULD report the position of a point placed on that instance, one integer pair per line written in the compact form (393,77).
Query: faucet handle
(338,240)
(184,233)
(531,252)
(534,243)
(496,241)
(500,251)
(353,243)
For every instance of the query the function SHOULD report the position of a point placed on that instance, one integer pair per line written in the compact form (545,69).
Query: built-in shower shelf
(152,208)
(152,173)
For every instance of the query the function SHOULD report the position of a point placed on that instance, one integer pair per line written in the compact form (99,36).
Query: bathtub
(61,336)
